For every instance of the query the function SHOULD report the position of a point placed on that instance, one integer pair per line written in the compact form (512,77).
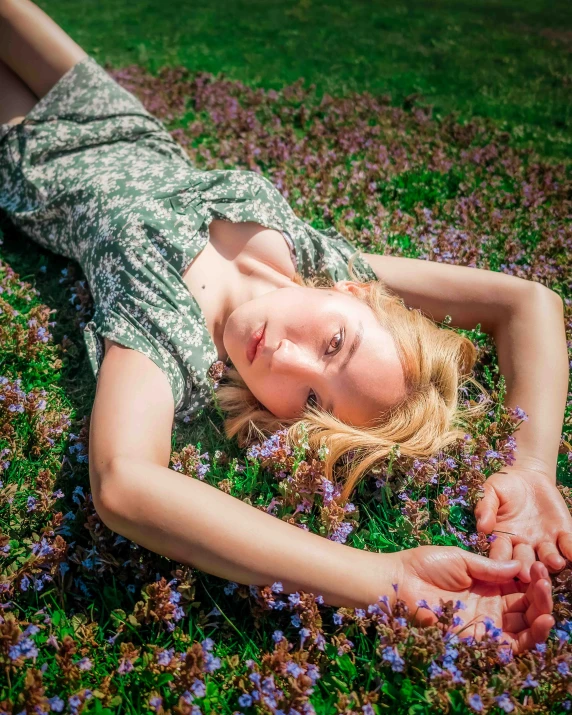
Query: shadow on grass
(43,269)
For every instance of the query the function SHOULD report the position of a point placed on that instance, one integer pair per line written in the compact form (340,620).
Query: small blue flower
(393,658)
(294,598)
(294,669)
(505,703)
(230,588)
(434,670)
(562,636)
(211,663)
(199,689)
(165,656)
(476,702)
(56,704)
(245,700)
(255,677)
(505,655)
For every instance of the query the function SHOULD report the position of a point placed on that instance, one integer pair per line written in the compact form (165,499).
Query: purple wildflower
(164,657)
(245,700)
(199,689)
(125,666)
(230,587)
(530,682)
(294,598)
(294,669)
(391,656)
(505,703)
(341,533)
(56,704)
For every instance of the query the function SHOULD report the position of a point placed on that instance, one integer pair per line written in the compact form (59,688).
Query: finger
(501,548)
(550,557)
(537,633)
(484,569)
(514,622)
(517,595)
(525,554)
(538,571)
(565,544)
(516,603)
(540,599)
(486,510)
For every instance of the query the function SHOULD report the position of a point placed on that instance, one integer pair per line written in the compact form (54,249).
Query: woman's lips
(255,344)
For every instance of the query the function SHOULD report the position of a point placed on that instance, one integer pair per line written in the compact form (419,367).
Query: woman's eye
(335,343)
(312,400)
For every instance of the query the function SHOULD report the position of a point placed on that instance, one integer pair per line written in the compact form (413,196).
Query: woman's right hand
(486,587)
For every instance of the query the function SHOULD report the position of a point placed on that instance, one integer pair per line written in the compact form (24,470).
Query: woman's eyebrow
(355,345)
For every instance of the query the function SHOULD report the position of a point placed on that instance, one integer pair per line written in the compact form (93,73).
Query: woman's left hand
(529,517)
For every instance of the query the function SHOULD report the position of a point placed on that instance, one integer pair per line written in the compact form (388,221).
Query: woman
(189,269)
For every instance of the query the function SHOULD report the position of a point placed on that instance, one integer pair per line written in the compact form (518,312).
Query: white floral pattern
(91,175)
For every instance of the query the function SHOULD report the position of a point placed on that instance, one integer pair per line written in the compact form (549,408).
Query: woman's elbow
(108,491)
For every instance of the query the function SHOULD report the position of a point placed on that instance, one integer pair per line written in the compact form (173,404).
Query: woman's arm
(192,522)
(521,504)
(533,357)
(34,46)
(526,322)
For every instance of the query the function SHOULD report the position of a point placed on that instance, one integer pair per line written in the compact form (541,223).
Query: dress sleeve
(131,334)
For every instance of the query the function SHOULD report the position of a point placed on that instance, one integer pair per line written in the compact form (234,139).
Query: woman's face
(322,345)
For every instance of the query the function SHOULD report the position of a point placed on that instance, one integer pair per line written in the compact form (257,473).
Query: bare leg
(17,99)
(34,47)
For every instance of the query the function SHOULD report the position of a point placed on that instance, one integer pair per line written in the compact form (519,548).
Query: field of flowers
(92,623)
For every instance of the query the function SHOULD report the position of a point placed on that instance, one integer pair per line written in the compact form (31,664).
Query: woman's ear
(352,287)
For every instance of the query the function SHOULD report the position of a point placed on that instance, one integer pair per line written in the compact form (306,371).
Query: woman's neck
(220,286)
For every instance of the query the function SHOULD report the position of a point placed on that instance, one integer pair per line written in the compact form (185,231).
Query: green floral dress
(91,175)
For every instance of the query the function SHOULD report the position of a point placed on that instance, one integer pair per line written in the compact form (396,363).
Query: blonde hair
(436,362)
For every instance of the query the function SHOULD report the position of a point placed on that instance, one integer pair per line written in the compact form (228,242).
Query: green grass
(507,63)
(511,60)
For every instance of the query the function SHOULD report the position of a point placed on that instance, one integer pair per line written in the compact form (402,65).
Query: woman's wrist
(536,465)
(193,522)
(375,575)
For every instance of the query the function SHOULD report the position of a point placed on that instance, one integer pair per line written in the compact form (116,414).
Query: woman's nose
(292,359)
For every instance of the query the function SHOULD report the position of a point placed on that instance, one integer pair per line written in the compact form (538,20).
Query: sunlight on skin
(521,611)
(303,325)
